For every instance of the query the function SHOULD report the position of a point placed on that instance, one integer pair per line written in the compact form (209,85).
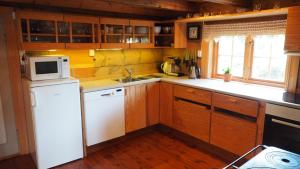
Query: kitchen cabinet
(192,94)
(235,104)
(142,36)
(164,34)
(83,32)
(152,103)
(180,39)
(44,31)
(231,133)
(38,30)
(166,104)
(192,119)
(292,35)
(115,33)
(135,107)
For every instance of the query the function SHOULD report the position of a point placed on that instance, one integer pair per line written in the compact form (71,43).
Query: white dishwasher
(104,115)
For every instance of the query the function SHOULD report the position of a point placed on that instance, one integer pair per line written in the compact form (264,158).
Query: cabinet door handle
(286,123)
(232,100)
(190,90)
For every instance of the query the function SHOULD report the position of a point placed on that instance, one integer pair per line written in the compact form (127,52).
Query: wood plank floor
(153,150)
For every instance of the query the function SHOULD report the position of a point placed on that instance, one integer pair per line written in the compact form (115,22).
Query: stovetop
(273,158)
(291,97)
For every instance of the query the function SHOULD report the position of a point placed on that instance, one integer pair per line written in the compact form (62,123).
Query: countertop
(245,90)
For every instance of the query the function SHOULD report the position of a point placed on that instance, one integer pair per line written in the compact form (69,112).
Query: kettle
(166,67)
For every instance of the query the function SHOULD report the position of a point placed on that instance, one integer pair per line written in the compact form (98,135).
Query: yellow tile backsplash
(111,63)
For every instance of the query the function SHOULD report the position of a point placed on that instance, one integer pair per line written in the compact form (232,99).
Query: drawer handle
(194,92)
(233,100)
(285,123)
(190,90)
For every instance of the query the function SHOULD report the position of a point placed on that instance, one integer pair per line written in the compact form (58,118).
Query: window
(269,60)
(257,59)
(231,54)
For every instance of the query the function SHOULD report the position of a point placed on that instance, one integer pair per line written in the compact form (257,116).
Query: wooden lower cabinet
(135,107)
(166,104)
(232,133)
(192,119)
(152,103)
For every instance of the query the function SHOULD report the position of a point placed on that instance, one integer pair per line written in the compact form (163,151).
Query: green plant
(227,70)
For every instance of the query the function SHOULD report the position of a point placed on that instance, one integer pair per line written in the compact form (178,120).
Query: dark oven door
(282,133)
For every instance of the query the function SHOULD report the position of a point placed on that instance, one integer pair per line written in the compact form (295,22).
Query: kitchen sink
(134,79)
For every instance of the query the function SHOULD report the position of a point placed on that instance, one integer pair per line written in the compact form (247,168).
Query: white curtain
(2,125)
(212,31)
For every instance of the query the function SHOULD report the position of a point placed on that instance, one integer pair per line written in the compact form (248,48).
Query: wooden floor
(153,150)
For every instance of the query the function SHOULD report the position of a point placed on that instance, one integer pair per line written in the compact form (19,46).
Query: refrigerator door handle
(33,99)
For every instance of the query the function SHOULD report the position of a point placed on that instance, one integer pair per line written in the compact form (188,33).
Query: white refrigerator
(54,122)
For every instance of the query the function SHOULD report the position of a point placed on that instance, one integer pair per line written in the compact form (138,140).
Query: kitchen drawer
(233,134)
(192,119)
(243,106)
(196,95)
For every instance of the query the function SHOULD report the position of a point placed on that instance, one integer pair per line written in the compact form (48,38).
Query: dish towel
(2,125)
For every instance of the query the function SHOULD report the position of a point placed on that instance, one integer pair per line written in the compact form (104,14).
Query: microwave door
(46,70)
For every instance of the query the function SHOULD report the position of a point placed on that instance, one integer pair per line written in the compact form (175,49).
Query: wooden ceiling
(146,9)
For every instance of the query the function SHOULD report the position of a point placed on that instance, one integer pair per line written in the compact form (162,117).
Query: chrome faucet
(130,72)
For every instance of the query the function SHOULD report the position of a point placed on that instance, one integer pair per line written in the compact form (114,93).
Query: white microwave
(47,67)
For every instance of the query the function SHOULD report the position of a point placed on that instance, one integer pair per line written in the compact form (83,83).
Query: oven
(282,128)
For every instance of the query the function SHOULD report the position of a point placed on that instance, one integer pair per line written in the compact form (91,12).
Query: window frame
(248,65)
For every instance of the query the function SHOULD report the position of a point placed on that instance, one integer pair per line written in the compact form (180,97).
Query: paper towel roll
(2,125)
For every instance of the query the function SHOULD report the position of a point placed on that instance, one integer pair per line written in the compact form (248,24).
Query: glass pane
(231,54)
(269,60)
(63,32)
(64,39)
(128,39)
(141,39)
(25,38)
(225,45)
(24,26)
(63,28)
(82,39)
(82,29)
(128,29)
(42,27)
(114,39)
(114,29)
(49,39)
(141,30)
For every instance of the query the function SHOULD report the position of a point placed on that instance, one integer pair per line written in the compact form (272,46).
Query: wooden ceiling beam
(239,3)
(94,7)
(173,5)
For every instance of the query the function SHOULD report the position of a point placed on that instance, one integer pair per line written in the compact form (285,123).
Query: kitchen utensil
(166,29)
(170,67)
(157,29)
(192,72)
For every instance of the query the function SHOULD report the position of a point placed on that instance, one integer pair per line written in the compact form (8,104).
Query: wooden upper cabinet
(143,36)
(152,103)
(83,31)
(43,31)
(180,39)
(292,35)
(166,104)
(164,34)
(135,107)
(115,33)
(39,30)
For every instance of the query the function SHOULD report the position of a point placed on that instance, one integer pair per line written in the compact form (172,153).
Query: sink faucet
(130,72)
